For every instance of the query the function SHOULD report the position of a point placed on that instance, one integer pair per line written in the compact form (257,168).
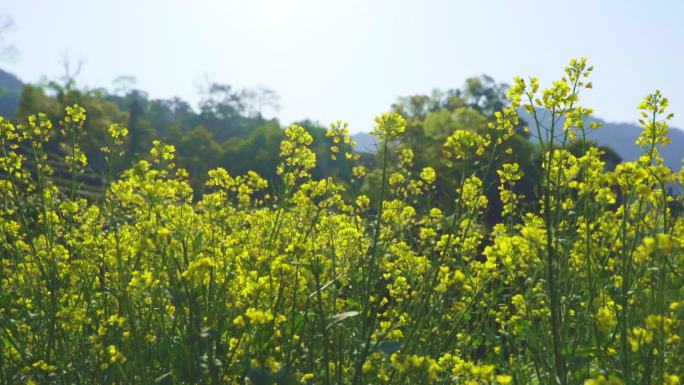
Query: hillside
(10,91)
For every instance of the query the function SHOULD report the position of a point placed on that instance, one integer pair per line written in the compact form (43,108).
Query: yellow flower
(428,175)
(258,317)
(389,126)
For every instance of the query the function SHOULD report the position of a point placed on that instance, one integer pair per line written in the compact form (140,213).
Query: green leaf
(260,376)
(388,347)
(284,377)
(163,379)
(197,242)
(324,287)
(337,318)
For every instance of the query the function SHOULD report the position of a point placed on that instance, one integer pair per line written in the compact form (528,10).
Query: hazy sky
(349,59)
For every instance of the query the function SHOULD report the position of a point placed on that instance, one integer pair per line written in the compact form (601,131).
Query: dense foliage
(394,276)
(227,129)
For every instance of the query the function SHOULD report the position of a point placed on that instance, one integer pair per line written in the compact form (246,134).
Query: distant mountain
(621,137)
(365,142)
(10,92)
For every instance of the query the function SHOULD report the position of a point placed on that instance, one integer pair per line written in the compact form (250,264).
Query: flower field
(307,281)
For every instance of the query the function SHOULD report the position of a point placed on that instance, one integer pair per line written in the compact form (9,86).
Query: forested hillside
(227,128)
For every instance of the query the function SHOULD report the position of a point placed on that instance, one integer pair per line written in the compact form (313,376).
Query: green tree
(259,151)
(198,152)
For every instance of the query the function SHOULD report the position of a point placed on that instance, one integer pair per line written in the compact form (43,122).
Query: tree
(198,152)
(256,100)
(431,119)
(54,98)
(485,94)
(259,151)
(141,132)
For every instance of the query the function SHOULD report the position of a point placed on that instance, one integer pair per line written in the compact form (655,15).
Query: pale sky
(351,59)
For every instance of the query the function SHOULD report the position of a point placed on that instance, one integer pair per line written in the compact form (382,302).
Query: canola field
(304,281)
